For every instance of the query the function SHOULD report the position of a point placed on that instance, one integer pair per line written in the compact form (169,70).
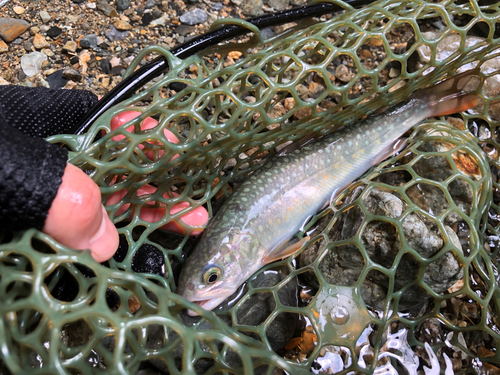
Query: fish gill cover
(400,273)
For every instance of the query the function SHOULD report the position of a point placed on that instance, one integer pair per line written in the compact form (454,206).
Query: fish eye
(211,275)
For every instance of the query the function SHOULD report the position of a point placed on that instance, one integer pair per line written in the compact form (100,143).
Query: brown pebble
(3,47)
(122,25)
(366,54)
(376,42)
(40,42)
(18,10)
(11,28)
(134,304)
(70,46)
(342,73)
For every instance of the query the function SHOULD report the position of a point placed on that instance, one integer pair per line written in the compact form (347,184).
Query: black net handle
(143,75)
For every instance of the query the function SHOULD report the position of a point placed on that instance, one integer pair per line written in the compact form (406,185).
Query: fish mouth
(207,304)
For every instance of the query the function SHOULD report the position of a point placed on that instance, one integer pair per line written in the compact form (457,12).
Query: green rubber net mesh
(400,274)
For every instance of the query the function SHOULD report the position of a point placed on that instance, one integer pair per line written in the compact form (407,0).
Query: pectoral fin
(285,250)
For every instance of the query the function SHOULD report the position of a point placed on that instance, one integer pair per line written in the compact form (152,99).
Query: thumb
(78,219)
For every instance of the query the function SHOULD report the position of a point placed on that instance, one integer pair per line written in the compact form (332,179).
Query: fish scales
(278,199)
(294,186)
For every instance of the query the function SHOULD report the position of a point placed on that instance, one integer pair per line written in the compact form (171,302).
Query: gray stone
(432,199)
(112,34)
(72,74)
(184,30)
(277,4)
(122,4)
(267,33)
(194,17)
(107,9)
(217,6)
(31,64)
(252,7)
(162,21)
(3,2)
(89,41)
(45,16)
(150,4)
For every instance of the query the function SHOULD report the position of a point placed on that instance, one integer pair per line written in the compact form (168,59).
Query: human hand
(195,218)
(78,219)
(38,188)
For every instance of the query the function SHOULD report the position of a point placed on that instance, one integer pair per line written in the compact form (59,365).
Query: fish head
(217,268)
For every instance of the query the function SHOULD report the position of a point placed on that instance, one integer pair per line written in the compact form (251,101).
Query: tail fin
(448,95)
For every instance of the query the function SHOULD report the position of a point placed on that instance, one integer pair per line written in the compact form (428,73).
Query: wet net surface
(400,272)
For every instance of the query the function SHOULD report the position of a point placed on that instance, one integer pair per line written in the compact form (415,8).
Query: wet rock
(107,9)
(343,264)
(54,32)
(56,80)
(11,28)
(31,64)
(45,16)
(252,7)
(89,41)
(194,17)
(112,34)
(259,306)
(150,4)
(432,199)
(40,42)
(72,74)
(3,47)
(122,4)
(149,259)
(252,313)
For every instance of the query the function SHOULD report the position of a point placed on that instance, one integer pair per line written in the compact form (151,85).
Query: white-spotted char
(255,224)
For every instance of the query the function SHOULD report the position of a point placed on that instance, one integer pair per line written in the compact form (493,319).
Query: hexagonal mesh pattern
(397,258)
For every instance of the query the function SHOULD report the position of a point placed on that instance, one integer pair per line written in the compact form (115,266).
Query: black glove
(43,112)
(30,168)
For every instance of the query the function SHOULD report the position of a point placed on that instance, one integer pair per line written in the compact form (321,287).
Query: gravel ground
(88,44)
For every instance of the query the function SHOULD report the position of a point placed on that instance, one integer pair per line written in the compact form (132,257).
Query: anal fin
(285,250)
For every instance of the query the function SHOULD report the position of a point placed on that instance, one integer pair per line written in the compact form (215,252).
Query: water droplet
(340,315)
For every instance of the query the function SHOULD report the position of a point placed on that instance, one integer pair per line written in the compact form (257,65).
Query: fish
(254,226)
